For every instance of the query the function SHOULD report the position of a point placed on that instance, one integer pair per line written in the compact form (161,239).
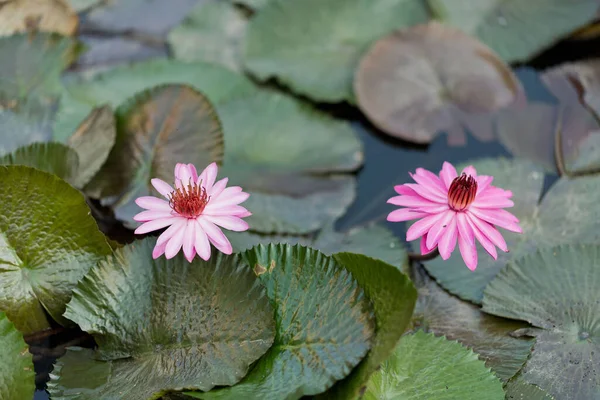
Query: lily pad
(568,213)
(24,122)
(212,32)
(253,4)
(16,371)
(180,326)
(492,338)
(55,158)
(555,289)
(93,141)
(119,84)
(324,325)
(292,159)
(313,46)
(48,242)
(418,81)
(37,15)
(155,130)
(519,389)
(428,367)
(515,29)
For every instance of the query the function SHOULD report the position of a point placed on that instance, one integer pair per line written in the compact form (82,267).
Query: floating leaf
(93,141)
(291,159)
(516,30)
(418,81)
(55,158)
(37,15)
(313,46)
(48,242)
(518,389)
(555,289)
(428,367)
(24,122)
(117,85)
(324,325)
(155,130)
(253,4)
(16,370)
(180,326)
(489,336)
(568,213)
(212,32)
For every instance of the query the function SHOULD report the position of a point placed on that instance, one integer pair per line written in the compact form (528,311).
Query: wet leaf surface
(16,370)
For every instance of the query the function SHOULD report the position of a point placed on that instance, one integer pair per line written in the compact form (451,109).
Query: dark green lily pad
(292,159)
(213,32)
(519,389)
(55,158)
(568,213)
(428,367)
(313,46)
(515,29)
(48,242)
(16,370)
(555,289)
(155,130)
(489,336)
(324,325)
(180,326)
(117,85)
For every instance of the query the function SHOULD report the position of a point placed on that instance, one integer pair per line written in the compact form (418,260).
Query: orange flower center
(462,192)
(189,202)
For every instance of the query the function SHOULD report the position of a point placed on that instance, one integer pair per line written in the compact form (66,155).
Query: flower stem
(558,150)
(423,257)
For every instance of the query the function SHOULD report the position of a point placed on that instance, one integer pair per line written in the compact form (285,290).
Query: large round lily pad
(418,81)
(516,29)
(180,326)
(48,242)
(568,213)
(555,289)
(292,159)
(40,15)
(313,46)
(428,367)
(16,370)
(156,130)
(324,325)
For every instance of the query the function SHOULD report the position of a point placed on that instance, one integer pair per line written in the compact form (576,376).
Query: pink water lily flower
(455,208)
(195,211)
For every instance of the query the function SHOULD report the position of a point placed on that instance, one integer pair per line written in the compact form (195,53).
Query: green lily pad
(393,297)
(48,242)
(491,337)
(292,159)
(519,389)
(324,325)
(555,289)
(155,130)
(24,122)
(313,46)
(212,32)
(119,84)
(568,213)
(428,367)
(93,141)
(55,158)
(515,29)
(180,326)
(17,378)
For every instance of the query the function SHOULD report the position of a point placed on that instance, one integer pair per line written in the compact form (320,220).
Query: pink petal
(447,174)
(208,176)
(493,202)
(189,239)
(170,231)
(437,230)
(433,209)
(216,236)
(403,189)
(404,214)
(425,192)
(447,242)
(158,250)
(470,170)
(411,201)
(464,229)
(227,197)
(500,218)
(492,191)
(421,227)
(202,244)
(483,181)
(432,186)
(193,172)
(489,231)
(153,203)
(423,245)
(162,187)
(468,252)
(218,210)
(228,222)
(228,192)
(217,188)
(485,242)
(155,225)
(243,214)
(433,178)
(174,244)
(149,215)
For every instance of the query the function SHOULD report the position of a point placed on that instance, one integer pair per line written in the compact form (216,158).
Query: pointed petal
(162,187)
(433,178)
(500,218)
(483,182)
(403,189)
(149,215)
(437,230)
(447,174)
(425,192)
(489,231)
(153,203)
(216,236)
(218,210)
(411,201)
(404,214)
(421,227)
(423,245)
(439,208)
(430,185)
(447,242)
(485,242)
(174,244)
(464,229)
(155,225)
(202,244)
(229,198)
(193,172)
(493,202)
(470,170)
(189,239)
(468,251)
(208,177)
(218,187)
(228,222)
(159,250)
(170,231)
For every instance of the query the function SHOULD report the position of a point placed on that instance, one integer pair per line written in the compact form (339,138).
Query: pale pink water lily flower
(453,208)
(195,211)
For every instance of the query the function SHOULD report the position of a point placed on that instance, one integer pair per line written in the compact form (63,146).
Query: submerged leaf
(422,80)
(55,158)
(16,370)
(48,242)
(555,289)
(519,389)
(37,15)
(428,367)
